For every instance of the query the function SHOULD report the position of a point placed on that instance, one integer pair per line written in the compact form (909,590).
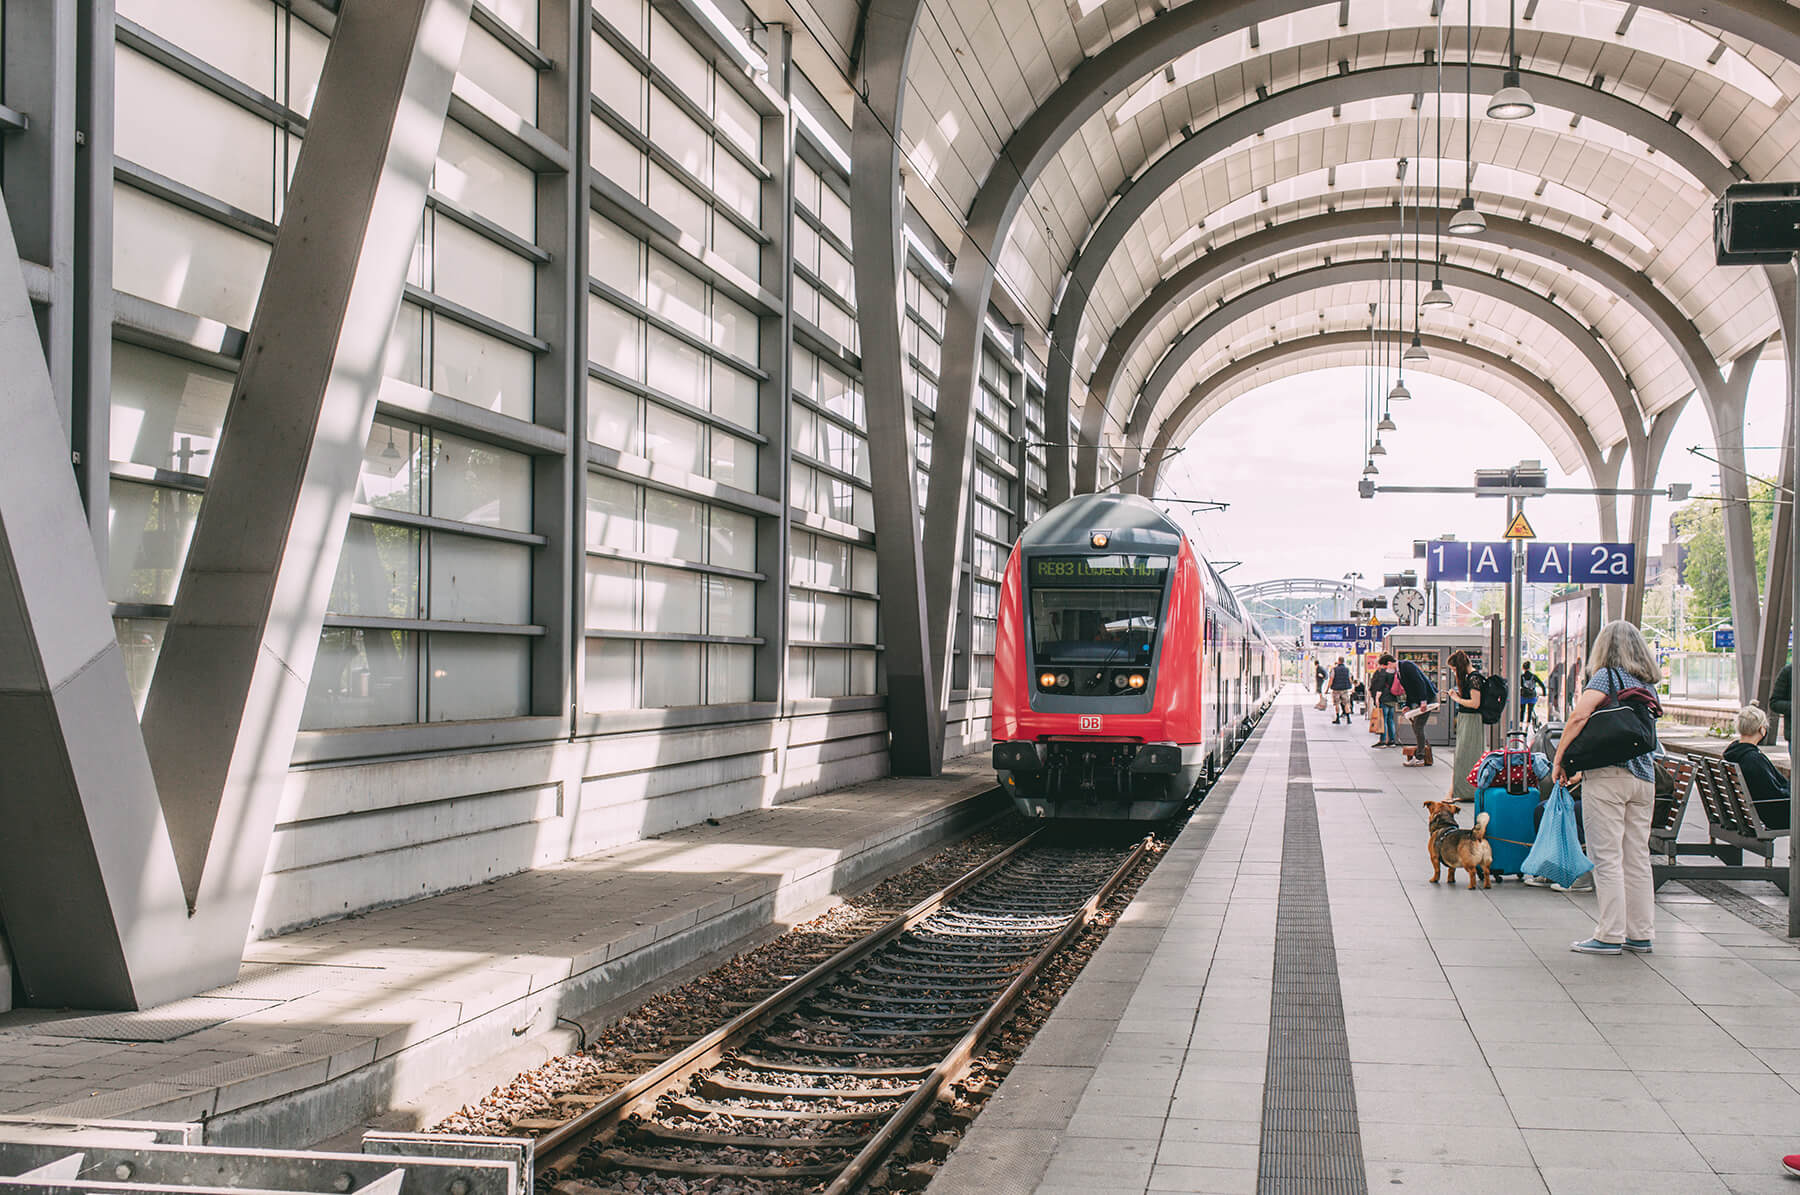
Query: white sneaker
(1584,884)
(1536,882)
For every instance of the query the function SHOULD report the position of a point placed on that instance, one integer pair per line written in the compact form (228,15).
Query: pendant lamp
(1467,222)
(1512,101)
(1369,469)
(1415,351)
(1399,393)
(1387,424)
(1376,449)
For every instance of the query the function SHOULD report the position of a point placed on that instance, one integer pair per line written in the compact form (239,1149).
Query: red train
(1125,673)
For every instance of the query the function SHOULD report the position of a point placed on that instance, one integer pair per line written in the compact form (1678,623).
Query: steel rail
(857,1171)
(559,1148)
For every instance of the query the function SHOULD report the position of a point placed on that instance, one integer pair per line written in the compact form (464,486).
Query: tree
(1701,527)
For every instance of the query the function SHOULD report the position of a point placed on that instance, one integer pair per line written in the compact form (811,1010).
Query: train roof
(1131,521)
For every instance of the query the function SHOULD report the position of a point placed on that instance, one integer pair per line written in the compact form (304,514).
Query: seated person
(1768,788)
(1359,696)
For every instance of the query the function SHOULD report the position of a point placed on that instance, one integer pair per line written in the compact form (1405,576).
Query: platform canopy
(1100,153)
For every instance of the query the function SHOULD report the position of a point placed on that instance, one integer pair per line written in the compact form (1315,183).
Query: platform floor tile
(1485,1056)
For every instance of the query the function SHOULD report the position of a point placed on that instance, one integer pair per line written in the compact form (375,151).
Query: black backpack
(1493,698)
(1528,686)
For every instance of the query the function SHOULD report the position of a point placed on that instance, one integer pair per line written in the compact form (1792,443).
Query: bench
(1733,825)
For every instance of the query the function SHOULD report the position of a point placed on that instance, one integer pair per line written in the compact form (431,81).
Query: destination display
(1099,570)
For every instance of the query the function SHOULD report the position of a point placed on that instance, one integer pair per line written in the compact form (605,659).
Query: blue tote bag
(1557,854)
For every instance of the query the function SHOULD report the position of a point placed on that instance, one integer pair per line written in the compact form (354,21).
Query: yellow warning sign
(1520,529)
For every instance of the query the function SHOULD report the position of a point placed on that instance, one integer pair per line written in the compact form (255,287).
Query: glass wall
(675,374)
(702,439)
(832,608)
(430,616)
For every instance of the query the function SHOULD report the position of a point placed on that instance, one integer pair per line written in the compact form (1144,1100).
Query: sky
(1287,458)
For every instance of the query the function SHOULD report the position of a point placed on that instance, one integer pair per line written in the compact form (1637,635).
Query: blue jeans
(1390,724)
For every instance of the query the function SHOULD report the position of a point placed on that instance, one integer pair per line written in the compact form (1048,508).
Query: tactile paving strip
(1311,1140)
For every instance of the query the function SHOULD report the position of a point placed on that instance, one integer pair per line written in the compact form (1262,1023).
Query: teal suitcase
(1509,829)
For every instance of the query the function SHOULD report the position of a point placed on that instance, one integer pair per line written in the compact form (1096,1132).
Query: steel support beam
(1206,143)
(88,882)
(1644,466)
(915,702)
(1608,478)
(231,680)
(1778,588)
(1199,404)
(1725,410)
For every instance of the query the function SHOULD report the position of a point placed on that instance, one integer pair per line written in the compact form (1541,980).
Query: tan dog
(1455,848)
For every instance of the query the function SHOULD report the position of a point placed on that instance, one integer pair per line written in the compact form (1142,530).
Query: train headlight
(1136,680)
(1063,680)
(1119,681)
(1099,539)
(1047,680)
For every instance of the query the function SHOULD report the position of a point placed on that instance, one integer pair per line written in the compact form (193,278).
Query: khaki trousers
(1616,806)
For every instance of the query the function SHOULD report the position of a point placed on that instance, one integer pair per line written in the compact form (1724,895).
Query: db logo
(1089,722)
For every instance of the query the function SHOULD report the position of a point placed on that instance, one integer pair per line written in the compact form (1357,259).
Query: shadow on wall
(367,835)
(6,972)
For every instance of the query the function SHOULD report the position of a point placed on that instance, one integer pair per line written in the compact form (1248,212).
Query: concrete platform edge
(299,1099)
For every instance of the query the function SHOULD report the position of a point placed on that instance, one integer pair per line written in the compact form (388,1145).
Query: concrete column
(232,677)
(1726,413)
(915,663)
(1778,590)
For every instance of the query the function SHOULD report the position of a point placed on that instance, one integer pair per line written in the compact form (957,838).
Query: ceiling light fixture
(1369,469)
(1512,101)
(1437,296)
(1415,351)
(1467,222)
(1387,423)
(1376,449)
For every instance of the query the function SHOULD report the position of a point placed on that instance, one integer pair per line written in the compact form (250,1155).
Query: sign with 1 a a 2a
(1545,563)
(1453,560)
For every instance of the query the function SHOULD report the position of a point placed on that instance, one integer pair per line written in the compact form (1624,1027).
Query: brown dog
(1454,848)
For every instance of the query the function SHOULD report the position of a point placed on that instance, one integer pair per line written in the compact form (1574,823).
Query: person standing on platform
(1781,701)
(1617,801)
(1341,685)
(1382,697)
(1528,696)
(1468,726)
(1421,700)
(1319,682)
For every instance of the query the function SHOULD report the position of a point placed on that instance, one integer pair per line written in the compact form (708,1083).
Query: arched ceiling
(1026,116)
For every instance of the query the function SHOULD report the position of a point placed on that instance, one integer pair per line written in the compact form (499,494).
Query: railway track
(813,1087)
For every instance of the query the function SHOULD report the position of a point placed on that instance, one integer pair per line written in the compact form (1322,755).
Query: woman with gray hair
(1768,788)
(1617,801)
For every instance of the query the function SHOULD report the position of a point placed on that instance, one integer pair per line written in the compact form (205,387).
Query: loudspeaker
(1757,224)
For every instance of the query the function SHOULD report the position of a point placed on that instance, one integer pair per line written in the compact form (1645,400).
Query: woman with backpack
(1471,738)
(1617,799)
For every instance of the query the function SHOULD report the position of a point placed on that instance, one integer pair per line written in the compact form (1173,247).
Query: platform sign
(1334,632)
(1604,564)
(1725,638)
(1447,560)
(1548,564)
(1490,563)
(1371,632)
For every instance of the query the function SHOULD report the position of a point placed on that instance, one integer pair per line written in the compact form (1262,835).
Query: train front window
(1096,611)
